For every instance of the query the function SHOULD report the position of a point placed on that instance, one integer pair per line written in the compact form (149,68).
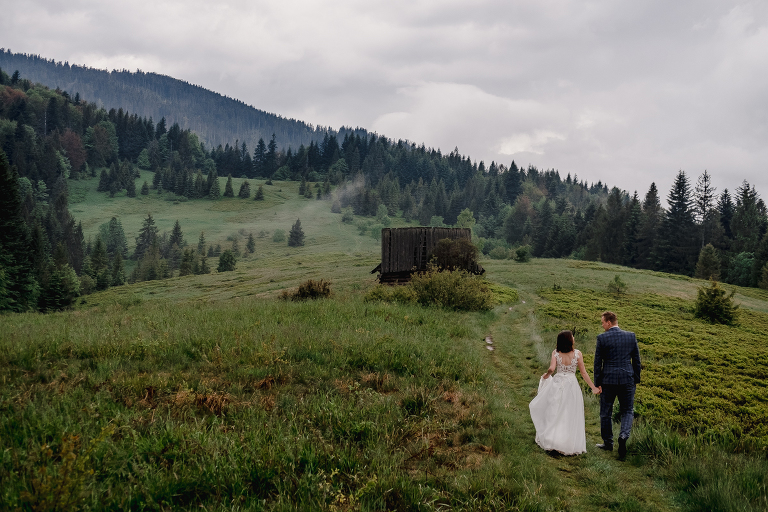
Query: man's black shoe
(605,446)
(622,448)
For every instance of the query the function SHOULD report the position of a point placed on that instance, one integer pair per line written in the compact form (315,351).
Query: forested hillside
(49,137)
(216,119)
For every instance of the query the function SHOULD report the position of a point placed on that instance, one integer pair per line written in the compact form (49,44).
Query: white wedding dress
(558,410)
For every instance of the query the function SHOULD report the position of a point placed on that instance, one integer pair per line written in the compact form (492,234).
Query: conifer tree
(296,235)
(678,240)
(145,188)
(227,261)
(187,264)
(259,196)
(118,270)
(245,190)
(203,268)
(251,245)
(201,243)
(147,236)
(228,190)
(708,266)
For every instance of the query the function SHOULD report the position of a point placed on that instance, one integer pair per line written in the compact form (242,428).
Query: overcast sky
(627,92)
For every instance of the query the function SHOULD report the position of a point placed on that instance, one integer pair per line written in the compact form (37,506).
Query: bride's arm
(552,366)
(585,375)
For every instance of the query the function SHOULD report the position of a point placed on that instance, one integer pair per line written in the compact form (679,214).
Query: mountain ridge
(216,118)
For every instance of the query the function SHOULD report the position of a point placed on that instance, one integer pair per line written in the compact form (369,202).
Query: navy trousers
(626,395)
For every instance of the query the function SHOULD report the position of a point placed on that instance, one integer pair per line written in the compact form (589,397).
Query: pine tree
(648,230)
(748,220)
(187,264)
(259,158)
(145,188)
(236,247)
(296,235)
(708,266)
(703,206)
(201,244)
(118,270)
(259,196)
(251,245)
(228,190)
(146,238)
(678,241)
(227,261)
(245,190)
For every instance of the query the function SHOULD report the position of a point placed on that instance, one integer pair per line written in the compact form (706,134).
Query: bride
(558,409)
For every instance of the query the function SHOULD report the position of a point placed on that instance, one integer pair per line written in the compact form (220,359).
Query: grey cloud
(623,92)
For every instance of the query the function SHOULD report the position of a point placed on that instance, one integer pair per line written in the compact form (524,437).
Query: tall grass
(257,404)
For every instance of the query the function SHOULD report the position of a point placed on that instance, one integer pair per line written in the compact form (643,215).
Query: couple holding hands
(558,409)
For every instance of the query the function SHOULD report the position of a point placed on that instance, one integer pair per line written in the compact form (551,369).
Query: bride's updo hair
(565,342)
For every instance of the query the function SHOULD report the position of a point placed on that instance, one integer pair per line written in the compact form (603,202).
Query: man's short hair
(609,317)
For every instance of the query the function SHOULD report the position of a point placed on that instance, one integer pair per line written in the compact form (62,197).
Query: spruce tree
(648,229)
(228,190)
(259,196)
(678,241)
(145,188)
(245,190)
(251,245)
(147,236)
(118,270)
(296,235)
(201,243)
(227,261)
(708,266)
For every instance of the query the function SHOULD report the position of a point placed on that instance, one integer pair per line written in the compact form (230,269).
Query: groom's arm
(598,367)
(636,366)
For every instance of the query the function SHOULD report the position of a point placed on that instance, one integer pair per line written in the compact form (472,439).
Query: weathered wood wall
(403,249)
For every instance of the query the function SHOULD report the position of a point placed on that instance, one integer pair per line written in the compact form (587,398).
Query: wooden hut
(405,251)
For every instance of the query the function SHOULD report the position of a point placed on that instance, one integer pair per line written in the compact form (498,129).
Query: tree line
(51,137)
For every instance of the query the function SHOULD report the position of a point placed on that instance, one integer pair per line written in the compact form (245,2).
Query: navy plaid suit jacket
(617,358)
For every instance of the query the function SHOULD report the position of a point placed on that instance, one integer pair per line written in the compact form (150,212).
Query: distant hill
(215,118)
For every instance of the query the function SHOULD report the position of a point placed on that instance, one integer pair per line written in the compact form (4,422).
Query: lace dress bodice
(571,368)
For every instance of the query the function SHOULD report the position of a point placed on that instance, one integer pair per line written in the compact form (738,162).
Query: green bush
(499,253)
(227,261)
(523,254)
(458,290)
(456,254)
(385,293)
(309,289)
(617,286)
(715,305)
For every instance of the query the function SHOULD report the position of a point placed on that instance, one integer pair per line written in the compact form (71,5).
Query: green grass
(210,392)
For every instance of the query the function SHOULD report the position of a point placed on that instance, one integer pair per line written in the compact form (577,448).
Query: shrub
(617,286)
(386,293)
(523,254)
(456,254)
(278,236)
(715,305)
(499,253)
(227,261)
(458,290)
(309,289)
(347,217)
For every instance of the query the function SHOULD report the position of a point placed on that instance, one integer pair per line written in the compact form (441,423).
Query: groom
(617,371)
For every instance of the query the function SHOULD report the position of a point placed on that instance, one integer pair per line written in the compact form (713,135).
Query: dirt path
(593,481)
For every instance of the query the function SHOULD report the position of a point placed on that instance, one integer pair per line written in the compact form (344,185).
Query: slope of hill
(215,118)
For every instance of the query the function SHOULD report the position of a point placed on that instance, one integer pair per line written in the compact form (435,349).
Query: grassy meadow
(209,392)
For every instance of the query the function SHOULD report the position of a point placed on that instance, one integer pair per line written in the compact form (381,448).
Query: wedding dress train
(558,411)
